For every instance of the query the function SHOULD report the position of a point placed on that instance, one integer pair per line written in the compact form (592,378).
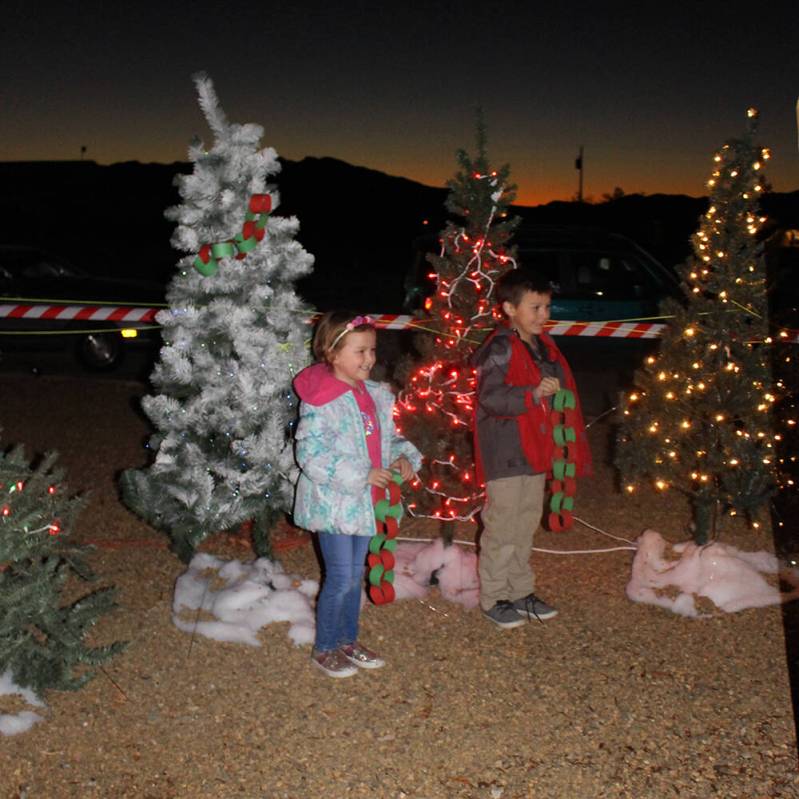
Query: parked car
(32,276)
(782,261)
(595,275)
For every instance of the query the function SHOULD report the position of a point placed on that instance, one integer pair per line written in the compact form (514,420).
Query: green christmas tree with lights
(436,407)
(42,636)
(235,334)
(700,417)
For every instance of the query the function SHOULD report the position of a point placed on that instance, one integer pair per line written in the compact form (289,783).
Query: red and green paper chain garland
(563,485)
(252,231)
(383,544)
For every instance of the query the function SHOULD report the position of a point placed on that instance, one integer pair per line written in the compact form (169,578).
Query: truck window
(609,276)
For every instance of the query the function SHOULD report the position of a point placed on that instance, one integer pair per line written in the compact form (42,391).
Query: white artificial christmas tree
(235,334)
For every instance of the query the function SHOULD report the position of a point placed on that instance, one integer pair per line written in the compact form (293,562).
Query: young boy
(519,369)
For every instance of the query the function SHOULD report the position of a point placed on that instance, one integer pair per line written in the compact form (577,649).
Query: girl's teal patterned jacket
(330,446)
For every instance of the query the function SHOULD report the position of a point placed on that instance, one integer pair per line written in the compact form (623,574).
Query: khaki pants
(513,510)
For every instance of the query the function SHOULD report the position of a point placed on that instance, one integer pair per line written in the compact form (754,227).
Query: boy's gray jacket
(332,493)
(498,404)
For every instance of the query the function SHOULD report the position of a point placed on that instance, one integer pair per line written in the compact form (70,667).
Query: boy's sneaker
(504,615)
(531,607)
(361,656)
(333,663)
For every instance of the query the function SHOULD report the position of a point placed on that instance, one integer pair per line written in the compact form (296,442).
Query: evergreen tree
(785,506)
(42,640)
(234,335)
(699,419)
(435,409)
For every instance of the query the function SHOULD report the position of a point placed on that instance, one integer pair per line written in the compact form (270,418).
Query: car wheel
(99,352)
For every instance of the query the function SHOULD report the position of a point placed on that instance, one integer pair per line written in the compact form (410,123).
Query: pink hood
(317,385)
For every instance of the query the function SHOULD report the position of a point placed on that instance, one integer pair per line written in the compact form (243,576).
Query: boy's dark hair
(514,283)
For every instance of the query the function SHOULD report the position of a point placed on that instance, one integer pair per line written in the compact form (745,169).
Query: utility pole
(578,165)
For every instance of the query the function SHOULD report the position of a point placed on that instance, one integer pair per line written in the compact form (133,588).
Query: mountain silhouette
(359,223)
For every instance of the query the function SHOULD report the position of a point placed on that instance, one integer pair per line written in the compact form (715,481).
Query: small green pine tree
(41,639)
(435,408)
(699,419)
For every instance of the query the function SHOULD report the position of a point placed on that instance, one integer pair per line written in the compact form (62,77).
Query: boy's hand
(379,477)
(403,466)
(546,388)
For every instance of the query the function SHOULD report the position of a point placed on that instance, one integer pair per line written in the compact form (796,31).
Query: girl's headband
(350,326)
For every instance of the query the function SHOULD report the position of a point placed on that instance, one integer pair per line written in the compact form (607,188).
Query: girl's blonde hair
(332,330)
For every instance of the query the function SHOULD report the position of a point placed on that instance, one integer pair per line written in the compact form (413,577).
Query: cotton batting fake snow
(453,569)
(731,578)
(15,723)
(242,598)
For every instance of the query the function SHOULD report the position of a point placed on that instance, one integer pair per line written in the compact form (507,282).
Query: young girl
(346,448)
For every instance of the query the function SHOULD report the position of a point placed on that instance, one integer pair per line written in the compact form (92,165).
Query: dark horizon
(276,179)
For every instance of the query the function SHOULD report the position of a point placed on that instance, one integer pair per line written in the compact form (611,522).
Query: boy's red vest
(535,425)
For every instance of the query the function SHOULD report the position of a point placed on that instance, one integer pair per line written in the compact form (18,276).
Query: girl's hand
(379,477)
(403,466)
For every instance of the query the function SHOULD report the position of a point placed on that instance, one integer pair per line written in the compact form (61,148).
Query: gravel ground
(610,699)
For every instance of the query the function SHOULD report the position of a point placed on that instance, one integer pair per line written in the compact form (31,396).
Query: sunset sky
(650,90)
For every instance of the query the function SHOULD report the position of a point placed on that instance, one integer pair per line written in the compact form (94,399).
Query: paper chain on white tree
(125,313)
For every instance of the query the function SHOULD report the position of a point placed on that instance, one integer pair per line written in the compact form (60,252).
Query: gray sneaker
(531,607)
(504,615)
(333,663)
(360,656)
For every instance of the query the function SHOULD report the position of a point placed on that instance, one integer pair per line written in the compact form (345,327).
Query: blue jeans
(339,604)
